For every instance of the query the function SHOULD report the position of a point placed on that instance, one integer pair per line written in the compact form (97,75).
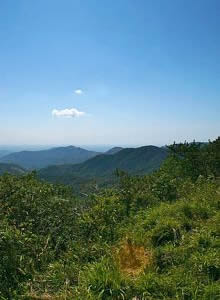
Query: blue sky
(148,71)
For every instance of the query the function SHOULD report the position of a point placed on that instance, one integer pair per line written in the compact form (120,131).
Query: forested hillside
(11,168)
(140,160)
(154,236)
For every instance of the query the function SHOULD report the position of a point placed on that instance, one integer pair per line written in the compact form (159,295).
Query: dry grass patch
(132,259)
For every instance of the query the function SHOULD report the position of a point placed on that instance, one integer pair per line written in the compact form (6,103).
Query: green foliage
(100,222)
(166,232)
(195,159)
(53,246)
(36,227)
(101,280)
(13,261)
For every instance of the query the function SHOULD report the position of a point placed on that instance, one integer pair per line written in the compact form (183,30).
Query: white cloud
(78,92)
(67,113)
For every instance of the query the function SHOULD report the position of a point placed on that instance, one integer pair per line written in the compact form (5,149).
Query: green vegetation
(11,168)
(153,236)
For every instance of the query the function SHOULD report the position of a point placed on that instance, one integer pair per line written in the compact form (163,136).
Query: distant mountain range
(54,156)
(140,160)
(76,166)
(11,168)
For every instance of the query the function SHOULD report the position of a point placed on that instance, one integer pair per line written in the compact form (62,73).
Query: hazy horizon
(98,148)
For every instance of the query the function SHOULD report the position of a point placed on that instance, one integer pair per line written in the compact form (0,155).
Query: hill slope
(3,153)
(134,160)
(114,150)
(11,168)
(54,156)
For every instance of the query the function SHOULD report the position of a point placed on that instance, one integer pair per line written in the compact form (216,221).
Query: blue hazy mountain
(54,156)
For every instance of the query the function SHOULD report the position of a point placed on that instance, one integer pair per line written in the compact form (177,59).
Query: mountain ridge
(114,150)
(140,160)
(54,156)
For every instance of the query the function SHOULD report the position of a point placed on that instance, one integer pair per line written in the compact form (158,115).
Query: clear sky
(117,72)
